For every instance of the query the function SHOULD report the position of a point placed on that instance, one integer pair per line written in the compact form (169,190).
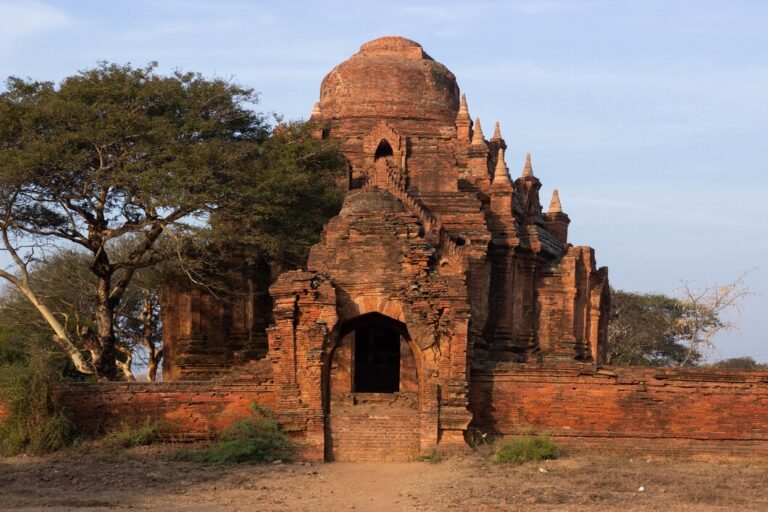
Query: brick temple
(441,262)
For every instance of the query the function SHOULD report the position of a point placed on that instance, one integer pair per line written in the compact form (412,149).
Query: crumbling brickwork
(441,298)
(438,259)
(637,410)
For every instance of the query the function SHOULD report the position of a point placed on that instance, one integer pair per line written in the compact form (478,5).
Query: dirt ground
(147,479)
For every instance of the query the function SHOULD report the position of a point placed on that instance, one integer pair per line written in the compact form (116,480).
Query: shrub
(35,422)
(433,457)
(526,447)
(149,432)
(255,440)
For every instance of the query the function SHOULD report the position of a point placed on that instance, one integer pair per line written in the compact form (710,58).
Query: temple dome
(390,77)
(370,201)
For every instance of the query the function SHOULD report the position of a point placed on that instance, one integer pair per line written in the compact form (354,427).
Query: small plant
(255,440)
(527,447)
(433,457)
(482,442)
(148,432)
(35,422)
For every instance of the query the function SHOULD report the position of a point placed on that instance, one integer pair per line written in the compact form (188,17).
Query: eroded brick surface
(491,316)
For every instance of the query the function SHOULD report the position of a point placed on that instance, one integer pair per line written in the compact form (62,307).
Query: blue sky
(650,117)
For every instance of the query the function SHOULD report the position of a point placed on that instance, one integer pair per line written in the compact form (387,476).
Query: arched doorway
(376,359)
(373,391)
(383,164)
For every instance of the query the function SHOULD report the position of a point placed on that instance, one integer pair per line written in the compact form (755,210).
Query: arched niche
(383,150)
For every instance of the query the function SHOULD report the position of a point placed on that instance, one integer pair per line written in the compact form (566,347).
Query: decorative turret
(527,188)
(502,221)
(477,135)
(463,121)
(556,220)
(497,132)
(528,168)
(501,174)
(315,117)
(554,204)
(316,111)
(477,162)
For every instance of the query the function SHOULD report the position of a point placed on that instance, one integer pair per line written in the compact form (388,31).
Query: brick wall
(377,431)
(627,408)
(197,409)
(642,409)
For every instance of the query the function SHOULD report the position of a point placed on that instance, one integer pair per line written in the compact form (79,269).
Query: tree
(114,154)
(704,309)
(643,330)
(658,330)
(280,206)
(741,363)
(68,288)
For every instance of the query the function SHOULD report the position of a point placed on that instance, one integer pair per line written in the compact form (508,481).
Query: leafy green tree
(658,330)
(115,153)
(280,206)
(643,330)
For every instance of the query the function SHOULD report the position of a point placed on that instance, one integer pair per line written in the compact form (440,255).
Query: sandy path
(145,479)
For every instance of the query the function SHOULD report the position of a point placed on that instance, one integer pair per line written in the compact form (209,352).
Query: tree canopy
(127,168)
(658,330)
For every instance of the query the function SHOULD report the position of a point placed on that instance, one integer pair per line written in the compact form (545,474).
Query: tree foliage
(126,169)
(658,330)
(280,206)
(114,153)
(643,330)
(63,281)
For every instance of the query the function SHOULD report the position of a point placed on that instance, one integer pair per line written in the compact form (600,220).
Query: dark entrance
(377,359)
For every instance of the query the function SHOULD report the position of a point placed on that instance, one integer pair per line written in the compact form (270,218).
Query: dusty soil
(147,479)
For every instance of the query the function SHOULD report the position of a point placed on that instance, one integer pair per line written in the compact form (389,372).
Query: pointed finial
(316,109)
(554,204)
(477,137)
(501,172)
(496,132)
(463,110)
(528,169)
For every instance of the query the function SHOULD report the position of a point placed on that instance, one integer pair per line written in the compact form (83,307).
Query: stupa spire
(316,109)
(463,109)
(501,173)
(477,136)
(463,121)
(554,204)
(528,168)
(496,132)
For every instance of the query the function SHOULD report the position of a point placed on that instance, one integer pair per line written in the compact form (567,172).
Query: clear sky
(650,117)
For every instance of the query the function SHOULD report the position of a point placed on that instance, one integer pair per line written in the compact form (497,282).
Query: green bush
(255,440)
(35,422)
(149,432)
(526,447)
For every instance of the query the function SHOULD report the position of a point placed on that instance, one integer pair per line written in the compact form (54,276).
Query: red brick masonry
(643,409)
(646,409)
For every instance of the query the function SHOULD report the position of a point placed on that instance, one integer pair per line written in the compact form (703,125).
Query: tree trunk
(154,362)
(106,369)
(61,336)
